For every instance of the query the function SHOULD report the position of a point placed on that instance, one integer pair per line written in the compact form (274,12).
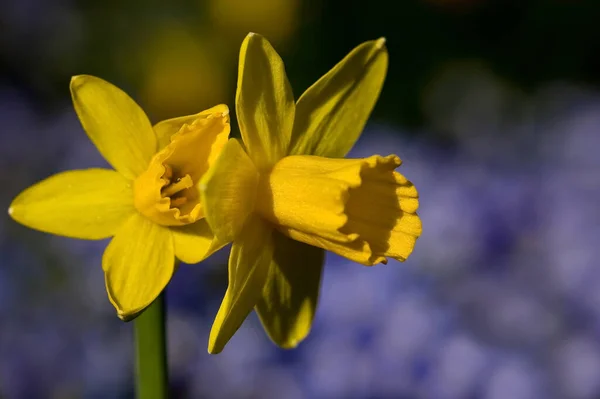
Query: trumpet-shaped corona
(358,208)
(166,192)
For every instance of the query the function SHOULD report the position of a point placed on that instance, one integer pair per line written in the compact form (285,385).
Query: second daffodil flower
(150,203)
(285,194)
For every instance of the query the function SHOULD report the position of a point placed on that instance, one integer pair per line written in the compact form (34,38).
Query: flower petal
(249,262)
(229,191)
(289,300)
(88,204)
(138,262)
(115,123)
(195,242)
(332,113)
(167,128)
(264,101)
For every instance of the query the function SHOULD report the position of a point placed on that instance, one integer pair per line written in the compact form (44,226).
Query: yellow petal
(88,204)
(264,101)
(166,129)
(332,113)
(195,242)
(138,262)
(249,262)
(289,300)
(228,191)
(115,123)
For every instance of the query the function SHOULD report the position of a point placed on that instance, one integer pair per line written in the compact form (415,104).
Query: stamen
(179,185)
(177,202)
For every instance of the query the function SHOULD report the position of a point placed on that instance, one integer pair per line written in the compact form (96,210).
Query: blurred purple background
(495,111)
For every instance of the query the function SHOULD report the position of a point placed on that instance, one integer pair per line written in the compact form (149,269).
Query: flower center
(166,193)
(175,188)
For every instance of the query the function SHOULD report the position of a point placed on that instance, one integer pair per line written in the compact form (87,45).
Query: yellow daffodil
(150,202)
(285,194)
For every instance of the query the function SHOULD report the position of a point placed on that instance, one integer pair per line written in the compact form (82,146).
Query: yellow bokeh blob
(275,19)
(183,74)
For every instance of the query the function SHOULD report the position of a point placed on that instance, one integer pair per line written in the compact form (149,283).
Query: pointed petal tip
(122,314)
(251,36)
(13,211)
(78,80)
(215,344)
(290,344)
(380,43)
(254,36)
(127,317)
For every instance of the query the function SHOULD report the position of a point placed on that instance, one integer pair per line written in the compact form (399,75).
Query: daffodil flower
(150,202)
(285,194)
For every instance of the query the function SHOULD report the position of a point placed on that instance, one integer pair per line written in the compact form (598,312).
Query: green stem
(151,352)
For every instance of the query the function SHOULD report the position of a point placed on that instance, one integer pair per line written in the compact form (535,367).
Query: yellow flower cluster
(283,194)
